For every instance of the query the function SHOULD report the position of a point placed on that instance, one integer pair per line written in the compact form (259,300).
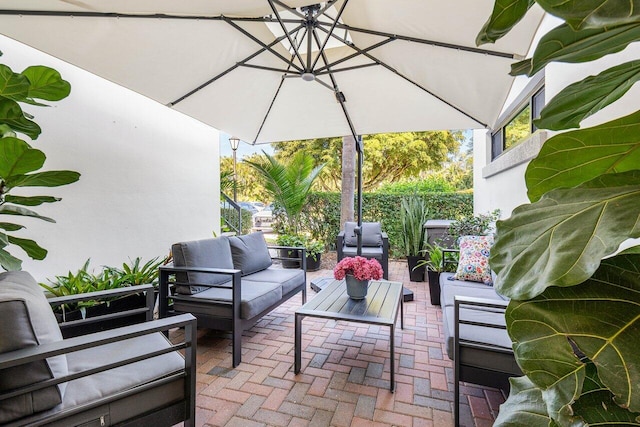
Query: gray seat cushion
(448,290)
(367,252)
(371,234)
(27,320)
(250,253)
(208,253)
(255,297)
(289,278)
(128,378)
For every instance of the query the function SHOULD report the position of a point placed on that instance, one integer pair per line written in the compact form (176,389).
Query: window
(518,125)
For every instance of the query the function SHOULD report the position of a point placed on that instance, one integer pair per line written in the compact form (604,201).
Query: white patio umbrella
(275,70)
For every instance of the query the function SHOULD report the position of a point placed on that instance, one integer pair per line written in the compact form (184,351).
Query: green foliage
(575,302)
(18,160)
(232,216)
(135,273)
(413,214)
(431,184)
(288,184)
(321,215)
(313,247)
(390,157)
(472,225)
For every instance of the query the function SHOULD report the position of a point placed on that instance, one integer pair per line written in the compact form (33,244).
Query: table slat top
(379,307)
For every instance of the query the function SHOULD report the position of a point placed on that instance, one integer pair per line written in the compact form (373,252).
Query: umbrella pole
(359,149)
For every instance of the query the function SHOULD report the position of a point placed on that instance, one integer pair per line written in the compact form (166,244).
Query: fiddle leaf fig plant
(574,315)
(19,161)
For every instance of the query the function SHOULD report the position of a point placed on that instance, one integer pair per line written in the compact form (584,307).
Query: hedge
(321,216)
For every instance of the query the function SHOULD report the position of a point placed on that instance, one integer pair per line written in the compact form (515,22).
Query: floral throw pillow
(473,264)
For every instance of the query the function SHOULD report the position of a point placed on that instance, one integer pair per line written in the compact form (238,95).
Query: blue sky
(244,149)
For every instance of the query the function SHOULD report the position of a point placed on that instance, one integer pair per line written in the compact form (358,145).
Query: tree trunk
(348,179)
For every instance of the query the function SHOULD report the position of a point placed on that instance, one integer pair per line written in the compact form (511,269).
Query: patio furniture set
(46,378)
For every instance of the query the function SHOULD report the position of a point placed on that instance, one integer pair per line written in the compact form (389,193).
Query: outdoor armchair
(375,243)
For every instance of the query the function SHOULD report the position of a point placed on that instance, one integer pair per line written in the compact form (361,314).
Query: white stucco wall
(507,190)
(150,175)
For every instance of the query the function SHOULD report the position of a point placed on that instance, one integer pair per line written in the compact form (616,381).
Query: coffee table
(380,307)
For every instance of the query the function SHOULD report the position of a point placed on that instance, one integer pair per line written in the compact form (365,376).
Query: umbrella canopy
(273,70)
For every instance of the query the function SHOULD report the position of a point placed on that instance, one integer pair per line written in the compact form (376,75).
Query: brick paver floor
(345,372)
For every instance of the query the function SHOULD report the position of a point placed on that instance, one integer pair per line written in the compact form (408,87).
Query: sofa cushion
(208,253)
(371,234)
(27,320)
(367,252)
(289,278)
(255,297)
(473,264)
(250,253)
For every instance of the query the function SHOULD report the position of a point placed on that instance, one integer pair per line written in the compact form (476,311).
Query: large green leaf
(11,114)
(506,14)
(560,240)
(524,407)
(17,157)
(571,158)
(46,83)
(559,332)
(582,99)
(9,262)
(43,179)
(564,44)
(17,210)
(32,249)
(593,13)
(31,201)
(8,226)
(12,85)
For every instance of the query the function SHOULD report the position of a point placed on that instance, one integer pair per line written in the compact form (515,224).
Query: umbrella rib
(340,70)
(422,41)
(399,74)
(284,30)
(262,67)
(322,70)
(228,70)
(273,101)
(261,43)
(339,96)
(326,40)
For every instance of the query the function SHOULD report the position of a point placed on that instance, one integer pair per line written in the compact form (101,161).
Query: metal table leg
(298,343)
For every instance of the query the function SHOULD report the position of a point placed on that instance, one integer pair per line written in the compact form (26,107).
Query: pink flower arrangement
(360,267)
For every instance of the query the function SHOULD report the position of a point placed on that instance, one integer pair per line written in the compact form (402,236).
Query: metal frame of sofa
(469,354)
(232,320)
(164,400)
(384,259)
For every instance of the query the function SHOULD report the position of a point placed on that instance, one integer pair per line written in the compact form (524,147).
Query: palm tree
(288,184)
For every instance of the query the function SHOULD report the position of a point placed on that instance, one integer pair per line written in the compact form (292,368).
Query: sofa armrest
(480,304)
(340,245)
(43,351)
(447,259)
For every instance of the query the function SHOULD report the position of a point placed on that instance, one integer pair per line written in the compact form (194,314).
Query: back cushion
(208,253)
(250,253)
(371,234)
(26,320)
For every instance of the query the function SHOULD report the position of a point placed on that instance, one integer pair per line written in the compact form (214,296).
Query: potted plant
(413,215)
(357,272)
(289,185)
(313,248)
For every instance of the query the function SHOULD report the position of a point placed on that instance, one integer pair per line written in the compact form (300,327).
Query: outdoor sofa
(475,333)
(229,283)
(128,376)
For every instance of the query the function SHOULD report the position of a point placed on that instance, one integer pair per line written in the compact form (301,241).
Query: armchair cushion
(473,264)
(250,253)
(209,253)
(371,234)
(27,320)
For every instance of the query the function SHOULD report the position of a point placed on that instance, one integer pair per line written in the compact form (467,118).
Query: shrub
(321,216)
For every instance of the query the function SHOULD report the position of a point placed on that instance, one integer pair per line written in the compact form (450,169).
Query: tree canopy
(388,157)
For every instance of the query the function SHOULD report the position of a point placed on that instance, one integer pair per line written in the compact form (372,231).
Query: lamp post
(235,142)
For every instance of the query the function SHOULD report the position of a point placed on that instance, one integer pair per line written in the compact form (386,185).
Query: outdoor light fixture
(308,77)
(235,142)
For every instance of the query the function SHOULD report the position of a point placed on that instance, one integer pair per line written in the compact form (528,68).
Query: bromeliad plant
(575,310)
(19,161)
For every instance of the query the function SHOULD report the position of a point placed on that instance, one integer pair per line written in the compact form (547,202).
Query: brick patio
(345,372)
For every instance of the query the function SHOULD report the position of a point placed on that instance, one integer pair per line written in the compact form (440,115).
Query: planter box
(434,286)
(416,274)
